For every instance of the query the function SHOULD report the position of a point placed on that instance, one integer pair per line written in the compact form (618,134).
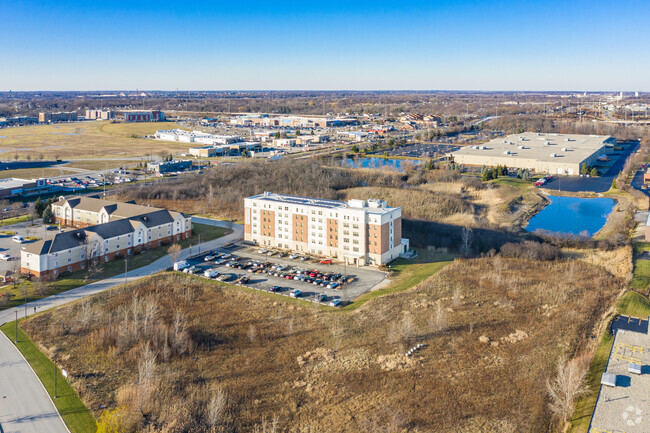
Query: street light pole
(125,268)
(16,327)
(55,396)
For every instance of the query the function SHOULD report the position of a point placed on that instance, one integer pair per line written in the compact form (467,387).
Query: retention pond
(573,215)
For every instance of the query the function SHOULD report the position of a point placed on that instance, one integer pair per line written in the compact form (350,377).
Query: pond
(376,163)
(573,215)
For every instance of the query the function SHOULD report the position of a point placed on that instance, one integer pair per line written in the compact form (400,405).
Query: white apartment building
(360,232)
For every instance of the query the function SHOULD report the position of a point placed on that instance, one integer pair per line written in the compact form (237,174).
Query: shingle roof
(118,227)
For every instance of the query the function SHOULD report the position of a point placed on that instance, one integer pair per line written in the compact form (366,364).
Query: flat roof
(318,202)
(625,407)
(567,148)
(13,182)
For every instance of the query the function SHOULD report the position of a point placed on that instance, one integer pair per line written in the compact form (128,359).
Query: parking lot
(359,280)
(26,229)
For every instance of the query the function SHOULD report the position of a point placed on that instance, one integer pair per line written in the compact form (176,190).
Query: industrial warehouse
(539,152)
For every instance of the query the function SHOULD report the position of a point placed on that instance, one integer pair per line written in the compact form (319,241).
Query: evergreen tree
(39,207)
(593,172)
(48,216)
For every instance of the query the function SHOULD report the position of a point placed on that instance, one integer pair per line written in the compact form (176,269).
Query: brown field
(92,140)
(246,357)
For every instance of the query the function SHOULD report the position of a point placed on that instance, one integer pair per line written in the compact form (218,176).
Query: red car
(326,262)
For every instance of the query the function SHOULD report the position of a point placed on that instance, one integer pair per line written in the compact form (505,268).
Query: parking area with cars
(285,274)
(10,245)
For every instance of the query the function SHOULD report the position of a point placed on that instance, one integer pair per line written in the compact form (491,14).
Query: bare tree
(15,271)
(91,250)
(439,322)
(147,366)
(174,251)
(566,387)
(456,297)
(150,312)
(252,333)
(466,245)
(85,314)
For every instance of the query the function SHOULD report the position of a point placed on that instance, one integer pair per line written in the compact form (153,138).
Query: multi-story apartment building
(60,116)
(144,116)
(360,232)
(118,230)
(100,114)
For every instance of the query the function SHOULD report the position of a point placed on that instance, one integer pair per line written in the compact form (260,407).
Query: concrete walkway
(25,407)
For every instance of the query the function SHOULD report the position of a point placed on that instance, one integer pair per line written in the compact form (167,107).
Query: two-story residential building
(120,231)
(360,232)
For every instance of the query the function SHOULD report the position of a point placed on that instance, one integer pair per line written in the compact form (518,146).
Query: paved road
(24,405)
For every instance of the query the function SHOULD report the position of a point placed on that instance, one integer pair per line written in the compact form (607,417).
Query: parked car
(211,273)
(245,280)
(304,258)
(209,258)
(282,255)
(51,227)
(326,262)
(4,256)
(179,266)
(262,251)
(274,289)
(190,270)
(18,239)
(336,303)
(295,293)
(293,256)
(333,285)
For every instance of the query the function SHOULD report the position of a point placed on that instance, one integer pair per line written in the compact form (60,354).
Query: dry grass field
(179,354)
(79,140)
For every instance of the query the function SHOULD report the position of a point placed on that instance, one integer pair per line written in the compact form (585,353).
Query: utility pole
(125,268)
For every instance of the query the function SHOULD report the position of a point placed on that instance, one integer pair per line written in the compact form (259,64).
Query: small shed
(633,367)
(6,276)
(608,379)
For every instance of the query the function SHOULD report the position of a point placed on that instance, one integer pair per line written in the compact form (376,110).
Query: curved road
(25,407)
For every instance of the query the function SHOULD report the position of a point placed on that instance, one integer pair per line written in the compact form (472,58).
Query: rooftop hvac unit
(522,147)
(507,152)
(483,147)
(567,139)
(564,149)
(553,155)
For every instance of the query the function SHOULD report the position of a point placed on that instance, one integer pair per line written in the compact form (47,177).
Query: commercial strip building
(100,114)
(108,230)
(60,116)
(539,152)
(233,149)
(359,232)
(144,116)
(292,121)
(162,167)
(14,187)
(183,136)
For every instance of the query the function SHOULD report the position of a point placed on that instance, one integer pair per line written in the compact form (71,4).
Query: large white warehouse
(539,152)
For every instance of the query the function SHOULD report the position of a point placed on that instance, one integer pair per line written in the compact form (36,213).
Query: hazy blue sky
(332,44)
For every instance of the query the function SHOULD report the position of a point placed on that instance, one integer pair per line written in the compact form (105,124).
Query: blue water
(370,162)
(578,216)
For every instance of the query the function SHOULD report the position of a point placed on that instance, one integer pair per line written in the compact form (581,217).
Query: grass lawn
(641,277)
(585,405)
(406,274)
(74,413)
(110,269)
(634,304)
(512,181)
(16,220)
(104,139)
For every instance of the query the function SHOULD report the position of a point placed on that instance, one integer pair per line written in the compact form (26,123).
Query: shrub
(530,250)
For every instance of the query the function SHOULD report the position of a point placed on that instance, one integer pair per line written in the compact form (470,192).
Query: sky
(327,45)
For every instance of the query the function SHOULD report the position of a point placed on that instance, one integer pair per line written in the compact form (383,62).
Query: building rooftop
(13,182)
(565,148)
(372,205)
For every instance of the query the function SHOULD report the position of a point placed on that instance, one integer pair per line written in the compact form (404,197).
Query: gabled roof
(118,227)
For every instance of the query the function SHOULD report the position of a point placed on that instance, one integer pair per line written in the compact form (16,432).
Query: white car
(4,256)
(179,266)
(211,273)
(262,251)
(293,256)
(18,239)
